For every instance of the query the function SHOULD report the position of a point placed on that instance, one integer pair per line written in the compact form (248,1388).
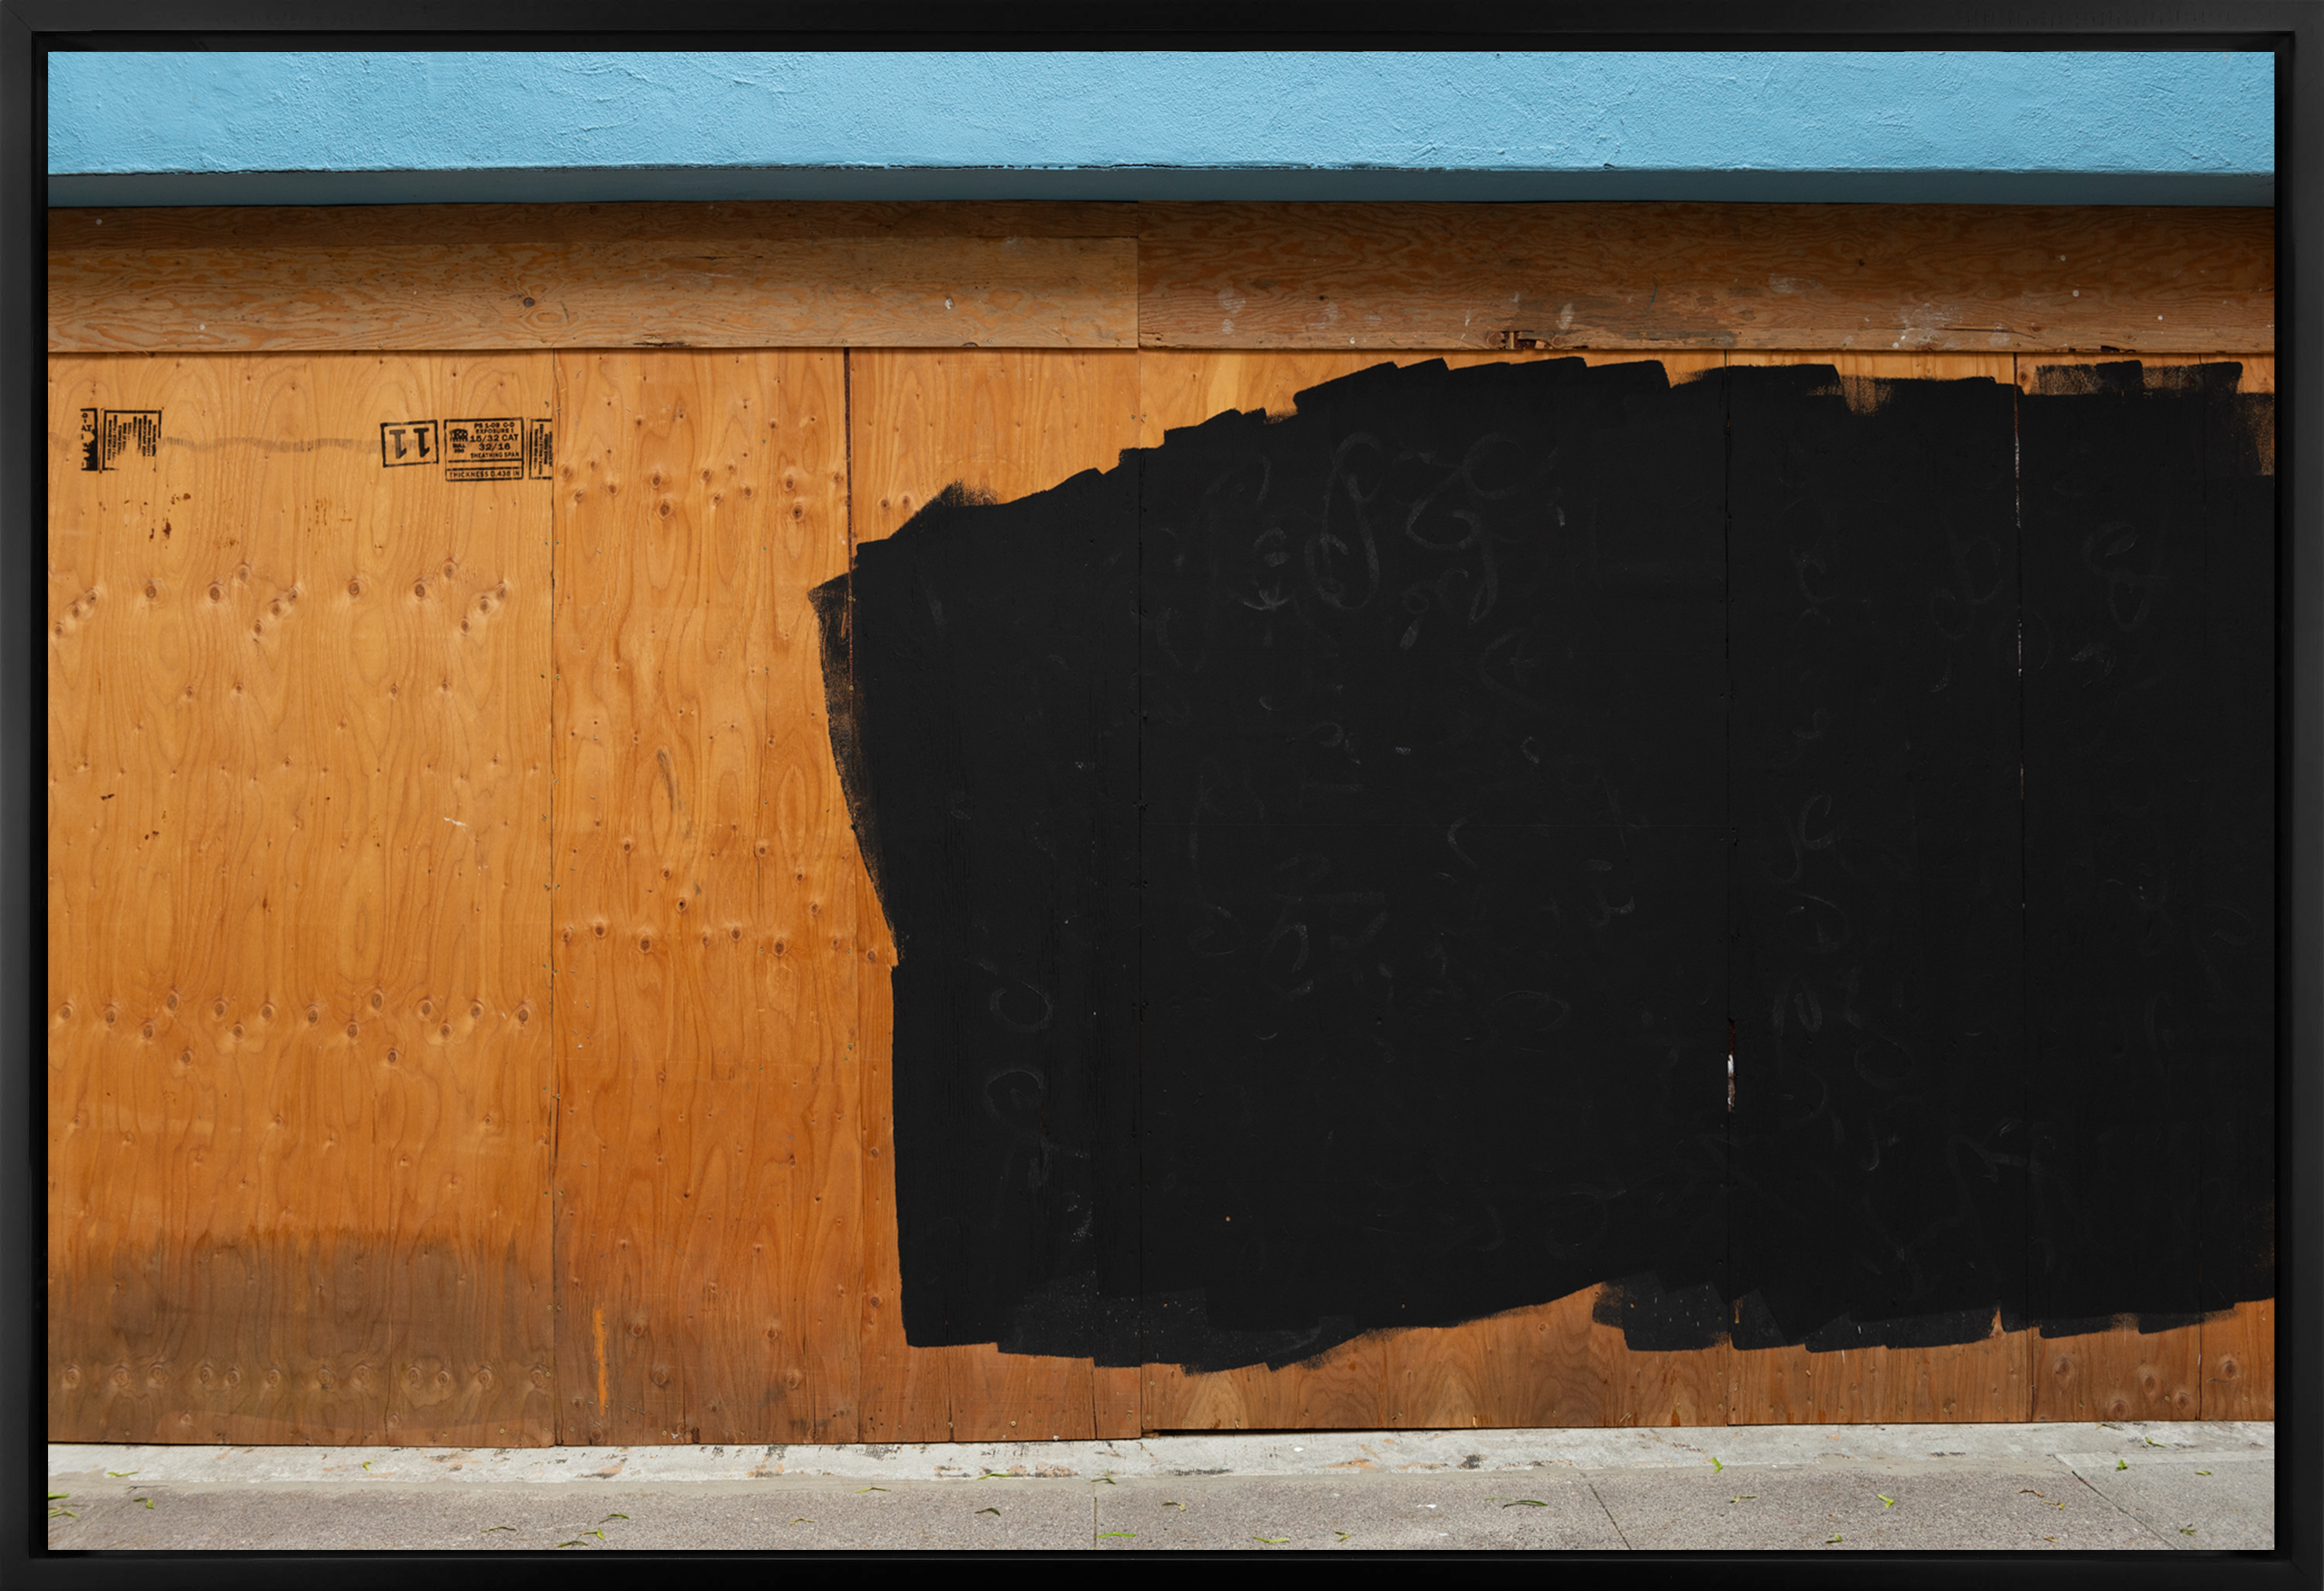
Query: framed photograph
(1540,784)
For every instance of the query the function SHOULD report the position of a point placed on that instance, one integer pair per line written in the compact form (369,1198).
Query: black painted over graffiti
(1333,859)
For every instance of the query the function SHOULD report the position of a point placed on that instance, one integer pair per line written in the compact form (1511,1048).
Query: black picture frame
(2294,30)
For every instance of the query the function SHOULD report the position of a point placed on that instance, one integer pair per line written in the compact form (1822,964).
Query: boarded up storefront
(478,864)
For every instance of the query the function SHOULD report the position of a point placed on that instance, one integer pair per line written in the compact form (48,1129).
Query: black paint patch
(993,736)
(2149,729)
(1328,859)
(1876,980)
(1432,1024)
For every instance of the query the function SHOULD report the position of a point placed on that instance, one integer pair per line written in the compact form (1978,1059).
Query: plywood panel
(1959,1383)
(1991,279)
(2164,734)
(1554,1365)
(906,1397)
(2238,1363)
(2224,1364)
(1773,1386)
(544,282)
(1341,1389)
(1001,425)
(1974,1381)
(2121,1374)
(706,937)
(1893,367)
(1550,1364)
(1185,387)
(299,1071)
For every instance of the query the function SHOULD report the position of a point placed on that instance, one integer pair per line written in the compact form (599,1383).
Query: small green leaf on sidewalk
(1524,1502)
(121,1474)
(861,1490)
(1272,1540)
(1101,1535)
(1746,1497)
(147,1500)
(488,1529)
(1716,1466)
(2120,1464)
(611,1516)
(1343,1535)
(1885,1502)
(1834,1539)
(802,1520)
(2202,1472)
(994,1512)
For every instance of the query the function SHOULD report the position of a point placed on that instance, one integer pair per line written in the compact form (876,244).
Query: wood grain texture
(415,290)
(2238,1363)
(2122,1373)
(298,1083)
(1991,279)
(1772,1387)
(1959,1384)
(1553,1365)
(1344,1389)
(1893,367)
(1181,388)
(1000,424)
(707,945)
(1986,279)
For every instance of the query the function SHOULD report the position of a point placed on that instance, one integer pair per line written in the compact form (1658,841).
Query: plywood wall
(299,1116)
(468,1011)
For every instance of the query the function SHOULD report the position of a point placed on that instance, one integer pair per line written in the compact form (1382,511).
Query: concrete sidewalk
(2174,1487)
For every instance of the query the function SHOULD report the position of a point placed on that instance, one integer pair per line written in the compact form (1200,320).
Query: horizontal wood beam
(1971,279)
(582,276)
(1866,277)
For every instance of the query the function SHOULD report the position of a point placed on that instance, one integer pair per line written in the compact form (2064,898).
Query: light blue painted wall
(1113,121)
